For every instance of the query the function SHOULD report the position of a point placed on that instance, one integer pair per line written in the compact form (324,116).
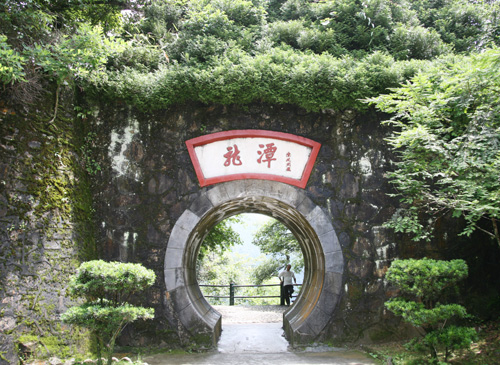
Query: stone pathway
(239,314)
(254,335)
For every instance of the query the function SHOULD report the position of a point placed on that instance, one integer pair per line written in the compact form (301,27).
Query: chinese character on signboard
(268,153)
(233,156)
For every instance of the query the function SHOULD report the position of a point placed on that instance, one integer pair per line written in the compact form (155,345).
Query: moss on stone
(48,225)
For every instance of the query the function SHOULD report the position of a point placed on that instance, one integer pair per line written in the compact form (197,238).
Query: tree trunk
(495,229)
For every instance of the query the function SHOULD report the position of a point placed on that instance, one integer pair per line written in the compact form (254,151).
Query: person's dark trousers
(288,293)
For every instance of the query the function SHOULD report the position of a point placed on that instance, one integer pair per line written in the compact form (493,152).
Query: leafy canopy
(221,238)
(446,134)
(280,246)
(315,54)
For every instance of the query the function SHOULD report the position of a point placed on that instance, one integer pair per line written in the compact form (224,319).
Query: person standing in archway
(286,277)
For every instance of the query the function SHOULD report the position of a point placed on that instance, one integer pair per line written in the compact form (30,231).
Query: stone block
(173,258)
(361,268)
(306,206)
(290,195)
(187,221)
(182,230)
(334,262)
(362,247)
(164,184)
(329,242)
(174,278)
(319,221)
(153,236)
(282,192)
(180,299)
(152,186)
(236,189)
(327,302)
(7,324)
(256,187)
(52,245)
(213,318)
(197,325)
(317,320)
(333,282)
(8,349)
(217,194)
(197,298)
(201,205)
(302,334)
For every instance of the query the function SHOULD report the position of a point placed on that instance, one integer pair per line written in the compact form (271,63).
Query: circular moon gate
(307,319)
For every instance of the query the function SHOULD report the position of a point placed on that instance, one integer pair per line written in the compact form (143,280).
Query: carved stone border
(323,258)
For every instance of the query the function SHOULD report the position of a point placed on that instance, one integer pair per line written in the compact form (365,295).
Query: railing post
(282,294)
(231,294)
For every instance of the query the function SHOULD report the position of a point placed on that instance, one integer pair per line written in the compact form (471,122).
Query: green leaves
(11,63)
(426,278)
(279,76)
(106,286)
(98,279)
(220,238)
(78,56)
(447,142)
(451,338)
(424,285)
(415,313)
(281,247)
(105,318)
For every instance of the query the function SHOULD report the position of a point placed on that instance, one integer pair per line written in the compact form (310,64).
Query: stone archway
(323,259)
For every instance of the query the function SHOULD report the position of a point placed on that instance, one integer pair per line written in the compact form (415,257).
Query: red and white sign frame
(308,151)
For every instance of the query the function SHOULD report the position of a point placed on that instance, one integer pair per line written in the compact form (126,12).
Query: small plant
(106,287)
(87,149)
(424,285)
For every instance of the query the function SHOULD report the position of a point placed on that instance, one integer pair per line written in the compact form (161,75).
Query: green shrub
(417,43)
(106,287)
(286,32)
(281,76)
(11,63)
(241,12)
(424,284)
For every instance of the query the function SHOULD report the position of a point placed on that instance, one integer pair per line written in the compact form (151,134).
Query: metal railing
(232,287)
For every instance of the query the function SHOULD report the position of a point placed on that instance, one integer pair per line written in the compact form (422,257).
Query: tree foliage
(425,286)
(107,286)
(221,237)
(446,133)
(63,41)
(220,268)
(280,246)
(315,54)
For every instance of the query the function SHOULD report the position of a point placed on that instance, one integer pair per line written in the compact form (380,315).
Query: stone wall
(44,211)
(115,184)
(149,182)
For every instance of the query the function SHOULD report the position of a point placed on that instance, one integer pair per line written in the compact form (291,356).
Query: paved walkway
(246,341)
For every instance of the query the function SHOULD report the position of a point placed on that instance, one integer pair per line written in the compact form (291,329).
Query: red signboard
(253,154)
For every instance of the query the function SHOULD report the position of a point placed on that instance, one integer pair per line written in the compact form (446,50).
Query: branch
(487,232)
(495,229)
(57,103)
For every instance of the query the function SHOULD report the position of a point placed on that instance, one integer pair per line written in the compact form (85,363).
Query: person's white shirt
(287,277)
